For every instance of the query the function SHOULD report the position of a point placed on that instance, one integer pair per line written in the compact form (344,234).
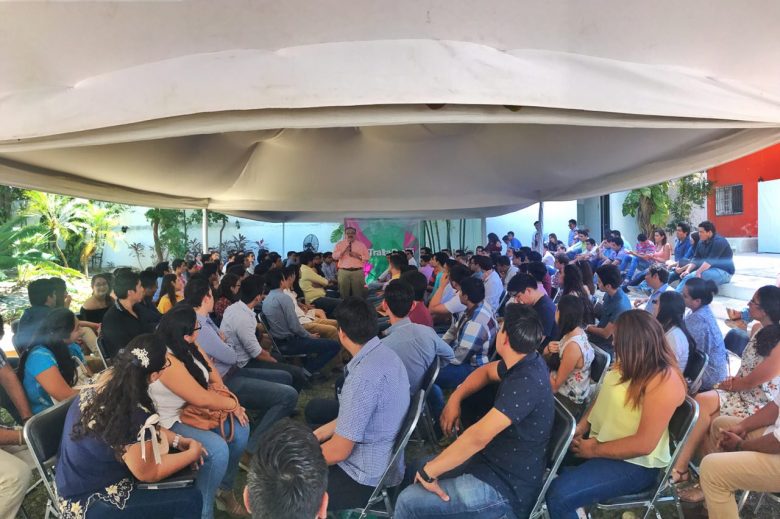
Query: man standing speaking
(351,256)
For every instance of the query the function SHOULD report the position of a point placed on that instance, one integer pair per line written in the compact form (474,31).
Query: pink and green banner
(383,236)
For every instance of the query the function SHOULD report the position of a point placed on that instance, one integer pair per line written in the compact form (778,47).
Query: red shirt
(419,314)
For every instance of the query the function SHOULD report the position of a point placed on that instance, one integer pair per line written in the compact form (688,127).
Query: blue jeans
(450,377)
(469,497)
(319,351)
(634,264)
(719,276)
(220,465)
(594,481)
(176,503)
(257,390)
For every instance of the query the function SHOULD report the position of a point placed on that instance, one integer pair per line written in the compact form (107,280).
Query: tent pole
(204,231)
(540,244)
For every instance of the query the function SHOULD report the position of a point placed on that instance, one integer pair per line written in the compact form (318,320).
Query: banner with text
(382,236)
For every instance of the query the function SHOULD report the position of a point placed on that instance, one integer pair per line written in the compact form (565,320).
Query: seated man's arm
(357,407)
(472,441)
(13,387)
(247,339)
(337,449)
(605,332)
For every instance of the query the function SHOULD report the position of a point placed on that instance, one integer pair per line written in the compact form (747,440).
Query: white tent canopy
(301,110)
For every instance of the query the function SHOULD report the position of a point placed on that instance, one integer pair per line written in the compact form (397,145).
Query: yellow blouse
(613,418)
(165,303)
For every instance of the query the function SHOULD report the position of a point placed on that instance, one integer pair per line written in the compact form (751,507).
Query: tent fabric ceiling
(313,111)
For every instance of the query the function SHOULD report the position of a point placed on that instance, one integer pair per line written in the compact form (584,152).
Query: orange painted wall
(764,164)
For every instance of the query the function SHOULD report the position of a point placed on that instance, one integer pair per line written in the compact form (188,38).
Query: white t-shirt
(493,290)
(168,403)
(679,343)
(451,300)
(303,317)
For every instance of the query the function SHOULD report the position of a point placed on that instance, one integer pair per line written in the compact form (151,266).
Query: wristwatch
(424,475)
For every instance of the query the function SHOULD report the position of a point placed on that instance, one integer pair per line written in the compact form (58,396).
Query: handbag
(208,419)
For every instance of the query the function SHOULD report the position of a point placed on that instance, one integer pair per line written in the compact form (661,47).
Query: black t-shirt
(546,310)
(514,462)
(119,328)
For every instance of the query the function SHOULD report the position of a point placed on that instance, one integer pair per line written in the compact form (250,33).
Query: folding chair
(43,434)
(598,370)
(8,405)
(427,384)
(380,493)
(694,370)
(773,496)
(275,347)
(680,427)
(562,435)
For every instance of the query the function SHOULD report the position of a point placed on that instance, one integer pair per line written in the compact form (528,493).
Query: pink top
(345,261)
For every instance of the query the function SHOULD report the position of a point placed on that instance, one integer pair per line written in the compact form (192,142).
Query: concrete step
(744,286)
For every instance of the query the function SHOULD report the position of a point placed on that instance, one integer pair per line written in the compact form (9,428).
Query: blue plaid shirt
(372,406)
(470,336)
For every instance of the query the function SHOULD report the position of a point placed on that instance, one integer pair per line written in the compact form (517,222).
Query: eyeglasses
(167,364)
(754,303)
(197,327)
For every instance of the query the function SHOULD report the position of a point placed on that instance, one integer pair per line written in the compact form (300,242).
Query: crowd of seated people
(221,381)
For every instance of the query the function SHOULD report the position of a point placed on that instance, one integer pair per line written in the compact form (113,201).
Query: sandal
(691,494)
(226,502)
(680,476)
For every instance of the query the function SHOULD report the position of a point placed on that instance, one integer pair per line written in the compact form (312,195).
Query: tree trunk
(61,254)
(644,214)
(449,234)
(156,238)
(221,230)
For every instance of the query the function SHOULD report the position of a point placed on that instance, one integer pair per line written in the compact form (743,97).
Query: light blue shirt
(279,309)
(703,327)
(417,346)
(653,301)
(372,406)
(223,356)
(39,360)
(239,325)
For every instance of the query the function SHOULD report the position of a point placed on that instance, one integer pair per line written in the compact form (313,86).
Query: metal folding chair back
(694,370)
(274,345)
(598,370)
(380,493)
(560,439)
(43,435)
(680,427)
(426,419)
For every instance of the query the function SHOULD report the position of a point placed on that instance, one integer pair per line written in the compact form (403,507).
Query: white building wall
(556,220)
(277,237)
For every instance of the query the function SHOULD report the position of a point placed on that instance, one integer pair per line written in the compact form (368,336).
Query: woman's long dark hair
(109,413)
(169,287)
(174,325)
(570,313)
(767,337)
(54,335)
(587,275)
(573,284)
(671,313)
(225,286)
(662,233)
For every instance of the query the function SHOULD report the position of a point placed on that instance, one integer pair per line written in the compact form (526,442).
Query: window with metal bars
(728,200)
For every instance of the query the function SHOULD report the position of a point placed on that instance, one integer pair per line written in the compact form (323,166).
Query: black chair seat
(640,497)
